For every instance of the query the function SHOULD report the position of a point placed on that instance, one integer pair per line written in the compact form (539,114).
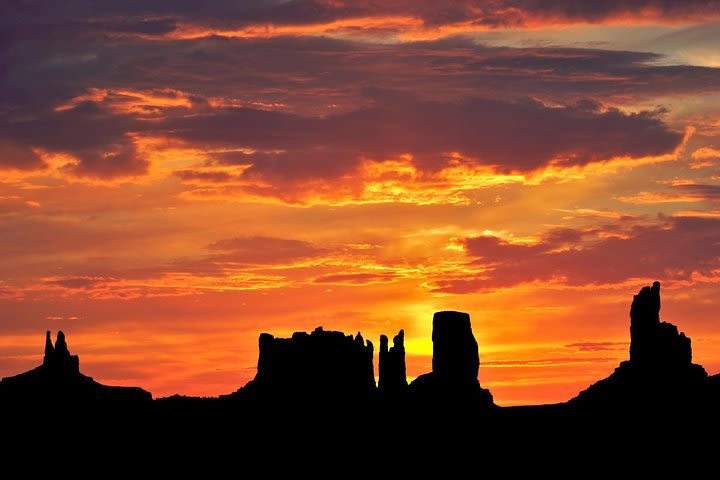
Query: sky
(177,177)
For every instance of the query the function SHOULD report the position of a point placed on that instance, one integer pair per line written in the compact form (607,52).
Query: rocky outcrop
(654,343)
(660,373)
(321,368)
(455,351)
(58,357)
(58,380)
(392,381)
(453,381)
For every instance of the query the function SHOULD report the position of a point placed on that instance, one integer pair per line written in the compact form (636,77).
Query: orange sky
(174,182)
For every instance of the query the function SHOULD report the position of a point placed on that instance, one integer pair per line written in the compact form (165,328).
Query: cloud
(321,75)
(98,141)
(597,346)
(263,250)
(706,153)
(703,192)
(77,282)
(7,292)
(37,236)
(637,10)
(547,362)
(681,193)
(355,278)
(306,105)
(205,176)
(678,248)
(13,155)
(159,16)
(509,136)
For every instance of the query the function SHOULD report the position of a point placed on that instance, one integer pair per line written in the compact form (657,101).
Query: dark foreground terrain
(315,394)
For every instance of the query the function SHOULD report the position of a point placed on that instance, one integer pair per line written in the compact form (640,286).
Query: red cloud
(263,250)
(158,18)
(677,249)
(87,109)
(509,136)
(356,278)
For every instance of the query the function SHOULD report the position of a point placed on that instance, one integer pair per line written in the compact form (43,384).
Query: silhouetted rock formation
(58,380)
(653,342)
(455,351)
(321,369)
(453,380)
(58,357)
(321,385)
(392,381)
(660,372)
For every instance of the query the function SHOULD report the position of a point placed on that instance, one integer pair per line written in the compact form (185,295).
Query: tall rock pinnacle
(49,349)
(652,343)
(660,373)
(391,366)
(455,350)
(453,383)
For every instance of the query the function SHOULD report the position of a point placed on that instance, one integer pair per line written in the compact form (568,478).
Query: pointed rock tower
(392,381)
(59,381)
(660,373)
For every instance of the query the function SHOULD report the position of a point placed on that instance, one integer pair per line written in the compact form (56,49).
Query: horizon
(375,363)
(177,179)
(308,349)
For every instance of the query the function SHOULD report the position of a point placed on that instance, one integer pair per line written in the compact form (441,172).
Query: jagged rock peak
(660,374)
(49,349)
(399,340)
(391,365)
(59,381)
(58,356)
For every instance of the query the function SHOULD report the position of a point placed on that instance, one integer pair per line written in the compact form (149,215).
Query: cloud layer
(679,248)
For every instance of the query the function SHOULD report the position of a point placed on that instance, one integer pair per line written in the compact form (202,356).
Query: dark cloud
(703,192)
(260,250)
(598,10)
(310,73)
(311,104)
(37,236)
(98,139)
(77,282)
(679,192)
(675,249)
(298,12)
(14,155)
(202,176)
(513,136)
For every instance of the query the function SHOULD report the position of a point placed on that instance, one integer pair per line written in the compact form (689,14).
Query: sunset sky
(178,176)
